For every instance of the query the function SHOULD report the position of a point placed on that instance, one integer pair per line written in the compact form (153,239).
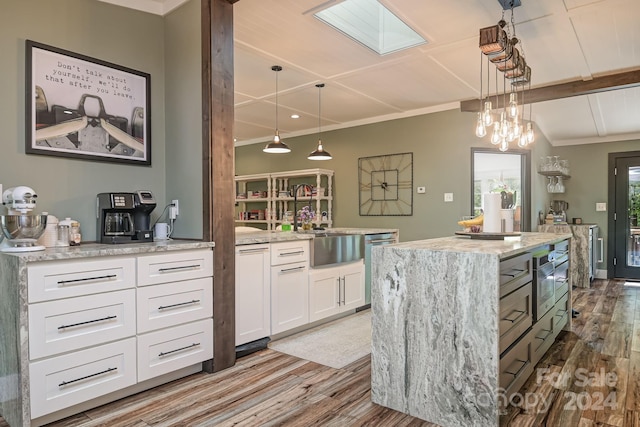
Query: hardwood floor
(589,377)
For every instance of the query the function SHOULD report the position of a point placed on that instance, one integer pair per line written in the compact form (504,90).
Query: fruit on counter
(474,221)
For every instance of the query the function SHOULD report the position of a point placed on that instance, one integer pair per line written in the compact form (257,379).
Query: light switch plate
(448,197)
(601,207)
(421,190)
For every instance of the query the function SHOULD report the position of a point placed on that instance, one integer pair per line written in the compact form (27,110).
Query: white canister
(50,236)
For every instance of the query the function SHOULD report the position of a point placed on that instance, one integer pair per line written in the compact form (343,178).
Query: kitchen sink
(333,248)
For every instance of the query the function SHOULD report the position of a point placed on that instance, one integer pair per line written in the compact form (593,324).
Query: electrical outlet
(174,209)
(601,207)
(421,190)
(448,197)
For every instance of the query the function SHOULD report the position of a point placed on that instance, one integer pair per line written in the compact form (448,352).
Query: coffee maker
(124,217)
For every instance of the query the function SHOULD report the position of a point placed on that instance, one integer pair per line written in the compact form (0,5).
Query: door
(352,286)
(289,296)
(253,297)
(627,218)
(324,295)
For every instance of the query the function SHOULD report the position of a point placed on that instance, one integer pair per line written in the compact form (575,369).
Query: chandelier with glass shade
(500,46)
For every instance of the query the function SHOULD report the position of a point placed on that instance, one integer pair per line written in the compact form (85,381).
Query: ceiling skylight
(370,23)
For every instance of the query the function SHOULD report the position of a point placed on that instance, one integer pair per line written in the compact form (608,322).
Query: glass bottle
(286,221)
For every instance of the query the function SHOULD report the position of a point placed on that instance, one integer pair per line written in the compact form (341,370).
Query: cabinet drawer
(174,266)
(67,380)
(170,349)
(170,304)
(516,366)
(66,325)
(542,336)
(515,315)
(288,252)
(561,313)
(65,279)
(515,272)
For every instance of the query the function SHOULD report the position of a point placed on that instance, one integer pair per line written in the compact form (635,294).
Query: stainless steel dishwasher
(371,240)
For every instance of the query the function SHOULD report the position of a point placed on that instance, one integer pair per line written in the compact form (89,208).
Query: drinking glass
(556,163)
(550,185)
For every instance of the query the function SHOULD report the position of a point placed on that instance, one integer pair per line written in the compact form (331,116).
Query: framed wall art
(385,185)
(86,108)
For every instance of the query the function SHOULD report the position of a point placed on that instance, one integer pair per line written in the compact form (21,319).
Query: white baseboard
(601,274)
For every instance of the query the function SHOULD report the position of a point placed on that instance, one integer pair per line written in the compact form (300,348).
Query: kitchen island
(452,330)
(79,328)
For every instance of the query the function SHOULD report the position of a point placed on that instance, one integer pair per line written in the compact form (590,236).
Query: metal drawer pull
(243,251)
(164,353)
(186,267)
(510,274)
(519,371)
(63,383)
(110,276)
(561,279)
(546,336)
(382,241)
(517,318)
(193,301)
(339,289)
(290,253)
(288,270)
(87,322)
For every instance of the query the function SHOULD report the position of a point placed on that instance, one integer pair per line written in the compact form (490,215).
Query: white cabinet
(101,325)
(262,198)
(289,285)
(336,289)
(253,297)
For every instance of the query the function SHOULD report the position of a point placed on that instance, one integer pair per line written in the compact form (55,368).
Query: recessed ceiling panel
(610,35)
(620,110)
(567,118)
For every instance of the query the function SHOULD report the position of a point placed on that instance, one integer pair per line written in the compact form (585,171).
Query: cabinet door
(324,295)
(289,296)
(352,286)
(253,305)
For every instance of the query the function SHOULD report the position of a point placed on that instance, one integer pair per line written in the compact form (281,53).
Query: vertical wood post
(218,170)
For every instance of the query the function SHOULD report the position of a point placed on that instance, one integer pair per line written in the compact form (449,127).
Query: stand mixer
(20,228)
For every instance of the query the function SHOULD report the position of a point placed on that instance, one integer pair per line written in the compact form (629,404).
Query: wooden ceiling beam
(623,80)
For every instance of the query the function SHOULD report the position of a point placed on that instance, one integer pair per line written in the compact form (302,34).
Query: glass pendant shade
(512,108)
(481,131)
(276,146)
(495,135)
(529,133)
(522,141)
(504,145)
(487,117)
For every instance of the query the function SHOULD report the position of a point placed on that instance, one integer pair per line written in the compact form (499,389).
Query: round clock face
(386,184)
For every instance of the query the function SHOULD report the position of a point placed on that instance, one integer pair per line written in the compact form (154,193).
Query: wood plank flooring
(589,377)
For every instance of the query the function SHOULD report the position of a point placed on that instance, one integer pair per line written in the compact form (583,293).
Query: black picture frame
(85,108)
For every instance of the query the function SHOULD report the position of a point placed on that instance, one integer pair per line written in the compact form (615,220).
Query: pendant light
(276,146)
(319,153)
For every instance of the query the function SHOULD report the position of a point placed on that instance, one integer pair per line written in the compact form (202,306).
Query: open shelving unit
(259,203)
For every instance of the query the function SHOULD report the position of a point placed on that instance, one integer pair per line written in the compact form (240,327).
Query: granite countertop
(248,238)
(502,248)
(87,250)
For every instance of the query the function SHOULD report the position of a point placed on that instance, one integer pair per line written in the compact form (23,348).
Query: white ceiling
(563,40)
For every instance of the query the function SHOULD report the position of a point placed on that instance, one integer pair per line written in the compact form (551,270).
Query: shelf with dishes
(557,172)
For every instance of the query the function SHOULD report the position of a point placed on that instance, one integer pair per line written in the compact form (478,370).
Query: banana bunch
(475,221)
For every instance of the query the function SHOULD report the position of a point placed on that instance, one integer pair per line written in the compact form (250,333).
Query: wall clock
(386,185)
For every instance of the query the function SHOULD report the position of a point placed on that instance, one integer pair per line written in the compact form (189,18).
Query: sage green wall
(68,187)
(184,117)
(589,181)
(441,145)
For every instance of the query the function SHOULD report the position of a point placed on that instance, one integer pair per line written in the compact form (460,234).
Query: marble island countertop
(503,248)
(88,250)
(248,238)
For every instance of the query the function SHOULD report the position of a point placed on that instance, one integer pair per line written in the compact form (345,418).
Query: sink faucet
(295,203)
